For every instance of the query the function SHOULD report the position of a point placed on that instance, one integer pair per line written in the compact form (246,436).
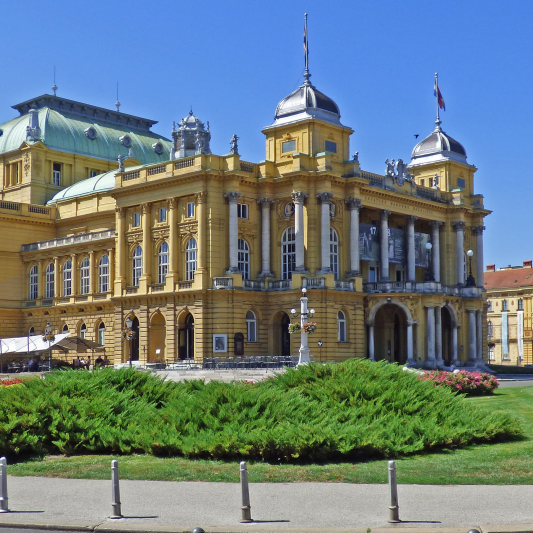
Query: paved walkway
(276,507)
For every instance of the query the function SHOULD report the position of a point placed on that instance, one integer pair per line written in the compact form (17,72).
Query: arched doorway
(135,340)
(390,334)
(186,338)
(279,338)
(157,338)
(285,335)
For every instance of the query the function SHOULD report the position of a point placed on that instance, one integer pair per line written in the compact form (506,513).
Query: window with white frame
(93,173)
(190,259)
(84,276)
(67,278)
(83,331)
(162,262)
(341,327)
(491,353)
(103,274)
(505,305)
(334,252)
(244,258)
(288,253)
(136,219)
(34,282)
(137,266)
(520,304)
(101,333)
(242,210)
(251,327)
(50,277)
(190,209)
(162,214)
(56,174)
(490,329)
(489,306)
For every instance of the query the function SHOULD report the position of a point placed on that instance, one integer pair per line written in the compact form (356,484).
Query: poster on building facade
(369,245)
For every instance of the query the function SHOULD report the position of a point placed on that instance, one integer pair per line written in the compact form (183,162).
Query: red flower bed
(474,383)
(13,381)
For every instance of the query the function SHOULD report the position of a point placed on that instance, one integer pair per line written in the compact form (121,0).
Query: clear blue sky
(234,60)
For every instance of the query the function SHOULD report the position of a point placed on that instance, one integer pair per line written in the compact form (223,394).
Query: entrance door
(135,340)
(186,339)
(285,335)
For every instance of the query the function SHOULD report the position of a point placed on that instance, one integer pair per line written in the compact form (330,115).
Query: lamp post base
(304,356)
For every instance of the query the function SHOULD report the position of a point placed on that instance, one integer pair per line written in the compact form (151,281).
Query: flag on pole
(438,94)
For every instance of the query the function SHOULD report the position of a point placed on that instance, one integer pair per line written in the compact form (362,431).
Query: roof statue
(190,137)
(234,149)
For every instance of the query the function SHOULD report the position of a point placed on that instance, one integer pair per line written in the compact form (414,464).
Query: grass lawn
(492,464)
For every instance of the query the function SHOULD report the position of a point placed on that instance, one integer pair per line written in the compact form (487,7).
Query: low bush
(354,410)
(463,382)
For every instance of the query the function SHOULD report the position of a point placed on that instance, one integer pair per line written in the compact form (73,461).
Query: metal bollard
(394,515)
(3,486)
(246,512)
(115,492)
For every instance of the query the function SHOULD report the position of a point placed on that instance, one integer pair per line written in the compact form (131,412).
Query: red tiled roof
(508,279)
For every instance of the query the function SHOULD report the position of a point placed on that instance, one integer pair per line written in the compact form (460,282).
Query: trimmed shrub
(463,382)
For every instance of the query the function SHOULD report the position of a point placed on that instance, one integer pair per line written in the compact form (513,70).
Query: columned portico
(459,228)
(298,198)
(435,251)
(411,265)
(354,205)
(233,197)
(323,198)
(384,244)
(478,232)
(472,335)
(265,236)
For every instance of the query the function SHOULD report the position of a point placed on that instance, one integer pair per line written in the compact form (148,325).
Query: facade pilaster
(57,278)
(41,279)
(120,251)
(459,228)
(74,275)
(111,256)
(384,244)
(438,335)
(411,257)
(435,252)
(371,355)
(265,237)
(472,334)
(324,198)
(430,309)
(478,232)
(299,198)
(146,210)
(92,272)
(410,347)
(354,205)
(201,268)
(233,232)
(455,351)
(479,335)
(173,236)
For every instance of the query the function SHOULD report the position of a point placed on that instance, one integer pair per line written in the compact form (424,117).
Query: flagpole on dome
(307,75)
(438,121)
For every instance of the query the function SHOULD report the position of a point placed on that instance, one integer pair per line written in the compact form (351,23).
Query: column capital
(145,208)
(232,196)
(384,214)
(201,197)
(477,230)
(299,197)
(172,203)
(353,203)
(435,224)
(458,226)
(411,218)
(265,201)
(324,197)
(120,211)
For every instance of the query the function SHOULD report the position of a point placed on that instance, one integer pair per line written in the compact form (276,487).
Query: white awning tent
(27,345)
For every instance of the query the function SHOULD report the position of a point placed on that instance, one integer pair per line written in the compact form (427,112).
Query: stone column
(41,280)
(57,278)
(459,228)
(435,251)
(410,348)
(173,237)
(120,254)
(472,334)
(92,272)
(233,232)
(74,276)
(201,200)
(147,242)
(411,265)
(455,351)
(478,232)
(354,205)
(111,256)
(265,237)
(384,242)
(431,335)
(298,198)
(323,198)
(371,355)
(479,336)
(438,336)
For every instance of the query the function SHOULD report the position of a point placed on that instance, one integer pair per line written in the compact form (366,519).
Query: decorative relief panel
(134,236)
(159,234)
(248,230)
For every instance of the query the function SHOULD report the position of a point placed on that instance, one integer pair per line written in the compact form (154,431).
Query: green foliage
(353,410)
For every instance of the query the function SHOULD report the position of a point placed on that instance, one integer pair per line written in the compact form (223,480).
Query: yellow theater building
(103,220)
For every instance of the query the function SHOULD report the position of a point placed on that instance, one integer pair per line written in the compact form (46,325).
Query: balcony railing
(314,283)
(423,287)
(223,283)
(68,241)
(279,285)
(252,285)
(344,285)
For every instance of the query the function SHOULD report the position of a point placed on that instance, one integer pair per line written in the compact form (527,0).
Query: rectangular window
(93,173)
(163,214)
(56,174)
(242,210)
(491,353)
(190,210)
(136,219)
(16,174)
(520,304)
(331,147)
(461,183)
(431,182)
(505,306)
(489,308)
(288,146)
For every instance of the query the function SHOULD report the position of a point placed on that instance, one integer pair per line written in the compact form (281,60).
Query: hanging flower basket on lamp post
(128,334)
(294,327)
(309,327)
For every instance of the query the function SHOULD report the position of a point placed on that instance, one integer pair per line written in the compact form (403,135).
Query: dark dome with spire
(436,146)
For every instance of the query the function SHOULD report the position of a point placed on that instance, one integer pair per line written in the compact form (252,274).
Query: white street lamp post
(129,323)
(304,315)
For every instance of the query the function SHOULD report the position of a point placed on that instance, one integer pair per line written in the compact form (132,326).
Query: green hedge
(353,410)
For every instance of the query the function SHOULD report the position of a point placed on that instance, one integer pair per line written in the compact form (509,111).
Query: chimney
(491,268)
(528,263)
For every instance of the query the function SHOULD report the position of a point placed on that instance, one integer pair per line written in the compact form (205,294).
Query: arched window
(288,253)
(65,329)
(341,327)
(34,282)
(251,327)
(103,274)
(244,259)
(32,331)
(83,331)
(49,287)
(334,252)
(84,276)
(162,262)
(490,329)
(137,266)
(190,259)
(67,278)
(101,333)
